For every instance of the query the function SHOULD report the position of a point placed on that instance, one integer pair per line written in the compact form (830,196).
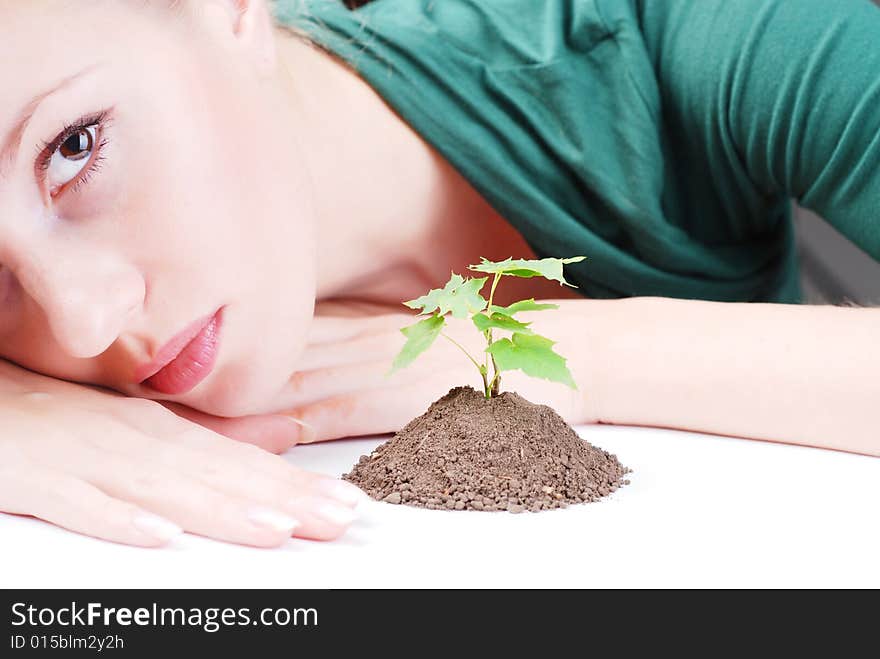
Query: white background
(701,511)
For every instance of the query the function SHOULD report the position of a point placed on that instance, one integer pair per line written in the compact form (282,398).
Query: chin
(240,390)
(253,366)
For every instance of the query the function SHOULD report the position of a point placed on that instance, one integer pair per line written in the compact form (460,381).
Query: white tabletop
(700,511)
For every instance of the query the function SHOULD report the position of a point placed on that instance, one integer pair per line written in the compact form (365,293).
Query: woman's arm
(775,98)
(788,373)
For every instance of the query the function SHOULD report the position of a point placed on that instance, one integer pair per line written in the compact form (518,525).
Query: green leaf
(549,268)
(460,296)
(534,355)
(500,321)
(419,338)
(522,305)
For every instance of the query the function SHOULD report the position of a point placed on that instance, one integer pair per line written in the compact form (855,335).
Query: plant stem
(496,380)
(479,368)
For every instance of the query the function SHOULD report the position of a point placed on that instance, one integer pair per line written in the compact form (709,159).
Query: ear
(245,25)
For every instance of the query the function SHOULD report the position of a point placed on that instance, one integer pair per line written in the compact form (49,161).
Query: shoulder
(515,32)
(499,34)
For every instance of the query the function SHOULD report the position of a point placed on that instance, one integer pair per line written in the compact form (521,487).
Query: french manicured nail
(156,526)
(342,490)
(307,433)
(332,512)
(273,519)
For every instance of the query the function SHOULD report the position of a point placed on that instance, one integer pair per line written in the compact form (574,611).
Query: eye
(71,157)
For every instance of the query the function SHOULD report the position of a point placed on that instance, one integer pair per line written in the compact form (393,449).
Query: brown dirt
(505,453)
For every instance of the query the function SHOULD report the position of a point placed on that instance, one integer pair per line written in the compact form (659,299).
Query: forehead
(44,41)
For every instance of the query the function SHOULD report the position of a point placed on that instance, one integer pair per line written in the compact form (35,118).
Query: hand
(131,471)
(273,433)
(340,388)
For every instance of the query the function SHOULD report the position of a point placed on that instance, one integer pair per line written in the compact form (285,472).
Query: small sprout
(548,268)
(419,338)
(531,353)
(460,296)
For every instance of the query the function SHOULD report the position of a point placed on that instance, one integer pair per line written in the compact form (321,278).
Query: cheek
(179,198)
(6,279)
(7,304)
(102,194)
(29,342)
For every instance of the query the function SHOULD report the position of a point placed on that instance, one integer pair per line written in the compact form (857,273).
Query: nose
(88,295)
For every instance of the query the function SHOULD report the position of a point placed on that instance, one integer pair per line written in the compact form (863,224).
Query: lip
(186,359)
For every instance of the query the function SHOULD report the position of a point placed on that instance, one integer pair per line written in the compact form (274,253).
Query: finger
(183,446)
(259,463)
(355,350)
(323,505)
(210,479)
(364,339)
(334,329)
(196,507)
(78,506)
(159,424)
(322,518)
(372,412)
(273,433)
(309,387)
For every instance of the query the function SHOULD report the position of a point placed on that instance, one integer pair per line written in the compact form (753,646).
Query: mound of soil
(504,453)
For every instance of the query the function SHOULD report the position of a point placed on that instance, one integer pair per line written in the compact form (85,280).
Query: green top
(662,139)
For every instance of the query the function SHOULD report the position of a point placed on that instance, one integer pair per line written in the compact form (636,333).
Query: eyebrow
(12,143)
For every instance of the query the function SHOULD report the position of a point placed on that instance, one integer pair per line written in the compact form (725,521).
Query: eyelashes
(100,122)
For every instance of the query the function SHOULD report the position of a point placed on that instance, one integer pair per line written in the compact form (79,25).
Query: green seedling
(524,350)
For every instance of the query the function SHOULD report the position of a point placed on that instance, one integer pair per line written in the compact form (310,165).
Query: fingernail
(158,527)
(307,433)
(332,512)
(342,490)
(275,520)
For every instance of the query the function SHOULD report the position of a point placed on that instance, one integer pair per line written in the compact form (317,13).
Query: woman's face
(148,178)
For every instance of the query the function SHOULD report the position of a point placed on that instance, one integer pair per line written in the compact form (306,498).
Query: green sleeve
(776,97)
